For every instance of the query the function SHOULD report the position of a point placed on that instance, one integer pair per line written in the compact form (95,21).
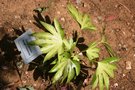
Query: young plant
(66,64)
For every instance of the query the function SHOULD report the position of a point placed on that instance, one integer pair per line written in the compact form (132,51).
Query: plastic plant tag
(28,53)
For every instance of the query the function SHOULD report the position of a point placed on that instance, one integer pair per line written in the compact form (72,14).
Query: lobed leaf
(103,71)
(71,68)
(92,52)
(83,19)
(51,42)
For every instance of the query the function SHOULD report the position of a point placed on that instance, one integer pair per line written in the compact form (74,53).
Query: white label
(28,53)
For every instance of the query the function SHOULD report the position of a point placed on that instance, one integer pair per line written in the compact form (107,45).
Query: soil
(117,16)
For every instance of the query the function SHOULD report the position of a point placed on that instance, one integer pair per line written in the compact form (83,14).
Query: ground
(117,16)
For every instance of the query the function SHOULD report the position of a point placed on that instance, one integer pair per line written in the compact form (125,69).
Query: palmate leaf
(92,52)
(66,69)
(51,42)
(83,19)
(103,72)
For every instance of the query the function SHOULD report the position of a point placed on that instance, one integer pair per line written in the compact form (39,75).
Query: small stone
(119,45)
(124,33)
(128,65)
(10,30)
(95,20)
(17,17)
(4,67)
(2,53)
(128,23)
(116,6)
(132,30)
(34,85)
(80,54)
(122,88)
(100,18)
(85,5)
(134,55)
(85,82)
(26,73)
(30,21)
(58,12)
(62,19)
(78,2)
(24,82)
(63,5)
(115,84)
(123,75)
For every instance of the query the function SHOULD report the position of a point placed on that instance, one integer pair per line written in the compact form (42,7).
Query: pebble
(62,19)
(63,5)
(2,53)
(128,65)
(132,30)
(34,85)
(124,33)
(30,21)
(78,2)
(26,73)
(80,54)
(115,84)
(24,82)
(123,75)
(58,12)
(4,67)
(100,18)
(10,30)
(17,17)
(85,82)
(96,21)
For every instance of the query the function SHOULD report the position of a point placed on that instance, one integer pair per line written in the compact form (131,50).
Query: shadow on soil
(8,55)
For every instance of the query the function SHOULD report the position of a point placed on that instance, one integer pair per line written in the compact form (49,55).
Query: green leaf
(47,48)
(92,52)
(40,42)
(104,70)
(109,49)
(76,65)
(69,44)
(71,74)
(101,86)
(59,28)
(71,68)
(58,75)
(111,60)
(51,42)
(94,81)
(49,27)
(50,54)
(42,35)
(83,19)
(56,67)
(106,80)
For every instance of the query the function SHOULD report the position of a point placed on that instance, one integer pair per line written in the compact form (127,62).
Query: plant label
(28,53)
